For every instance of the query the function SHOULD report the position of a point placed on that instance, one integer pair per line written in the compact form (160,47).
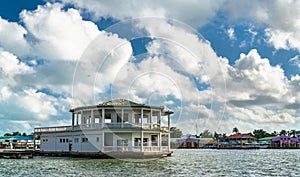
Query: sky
(216,64)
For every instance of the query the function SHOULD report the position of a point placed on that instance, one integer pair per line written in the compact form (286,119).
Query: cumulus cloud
(58,33)
(279,18)
(198,13)
(12,37)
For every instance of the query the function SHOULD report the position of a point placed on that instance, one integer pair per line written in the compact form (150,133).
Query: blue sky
(216,64)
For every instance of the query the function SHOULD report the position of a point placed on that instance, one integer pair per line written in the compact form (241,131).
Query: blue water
(182,163)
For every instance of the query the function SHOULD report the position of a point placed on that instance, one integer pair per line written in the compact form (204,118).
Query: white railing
(53,129)
(134,148)
(146,126)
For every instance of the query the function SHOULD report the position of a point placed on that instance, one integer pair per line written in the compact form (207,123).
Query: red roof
(240,136)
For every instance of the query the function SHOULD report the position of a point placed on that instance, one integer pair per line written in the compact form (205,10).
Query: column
(142,115)
(82,120)
(169,138)
(159,119)
(103,117)
(93,118)
(159,141)
(122,117)
(73,120)
(103,141)
(150,118)
(142,141)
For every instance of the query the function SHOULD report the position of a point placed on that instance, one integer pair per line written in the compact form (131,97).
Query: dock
(16,154)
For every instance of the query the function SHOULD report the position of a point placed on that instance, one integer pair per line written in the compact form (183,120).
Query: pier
(16,154)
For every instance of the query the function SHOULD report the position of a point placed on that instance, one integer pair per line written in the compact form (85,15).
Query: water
(182,163)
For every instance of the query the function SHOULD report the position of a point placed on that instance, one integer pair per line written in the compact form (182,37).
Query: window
(107,118)
(154,140)
(97,139)
(122,142)
(137,141)
(125,117)
(45,140)
(60,140)
(84,140)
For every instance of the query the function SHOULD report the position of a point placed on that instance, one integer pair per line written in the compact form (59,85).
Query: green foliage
(235,130)
(175,133)
(15,134)
(206,134)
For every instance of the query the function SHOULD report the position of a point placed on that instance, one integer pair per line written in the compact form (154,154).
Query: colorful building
(285,142)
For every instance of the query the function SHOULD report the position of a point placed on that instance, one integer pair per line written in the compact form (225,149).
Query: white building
(118,128)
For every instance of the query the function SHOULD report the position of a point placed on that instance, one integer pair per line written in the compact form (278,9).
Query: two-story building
(118,128)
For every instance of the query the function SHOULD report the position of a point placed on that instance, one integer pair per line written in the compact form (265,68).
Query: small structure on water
(118,128)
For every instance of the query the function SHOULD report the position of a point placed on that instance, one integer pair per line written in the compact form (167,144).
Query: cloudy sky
(216,64)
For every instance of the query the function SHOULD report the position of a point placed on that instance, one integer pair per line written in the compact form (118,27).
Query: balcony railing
(135,148)
(146,126)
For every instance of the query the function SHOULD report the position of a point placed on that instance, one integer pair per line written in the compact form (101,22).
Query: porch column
(142,115)
(159,141)
(159,119)
(150,118)
(76,118)
(73,120)
(93,118)
(103,117)
(169,122)
(142,141)
(122,117)
(82,119)
(103,141)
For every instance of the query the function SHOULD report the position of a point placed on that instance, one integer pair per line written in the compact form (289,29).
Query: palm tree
(282,133)
(235,130)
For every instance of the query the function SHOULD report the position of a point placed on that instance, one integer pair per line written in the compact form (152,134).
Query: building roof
(16,138)
(122,103)
(240,136)
(285,139)
(266,138)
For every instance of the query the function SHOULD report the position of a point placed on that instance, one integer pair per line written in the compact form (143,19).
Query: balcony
(146,126)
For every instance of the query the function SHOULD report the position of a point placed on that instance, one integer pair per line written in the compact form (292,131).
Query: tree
(282,133)
(206,134)
(235,130)
(216,135)
(175,133)
(260,133)
(292,133)
(16,134)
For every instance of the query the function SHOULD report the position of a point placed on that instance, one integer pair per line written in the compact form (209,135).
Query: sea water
(184,162)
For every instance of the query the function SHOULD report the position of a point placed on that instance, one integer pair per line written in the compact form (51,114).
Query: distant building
(285,142)
(115,128)
(266,140)
(240,139)
(18,142)
(297,134)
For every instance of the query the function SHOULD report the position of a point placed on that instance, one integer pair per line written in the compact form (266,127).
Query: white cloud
(281,19)
(12,37)
(295,60)
(230,33)
(199,12)
(58,34)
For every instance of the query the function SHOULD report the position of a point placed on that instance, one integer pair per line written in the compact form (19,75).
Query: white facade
(115,126)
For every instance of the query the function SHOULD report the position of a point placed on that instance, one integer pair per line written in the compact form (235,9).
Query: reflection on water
(182,163)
